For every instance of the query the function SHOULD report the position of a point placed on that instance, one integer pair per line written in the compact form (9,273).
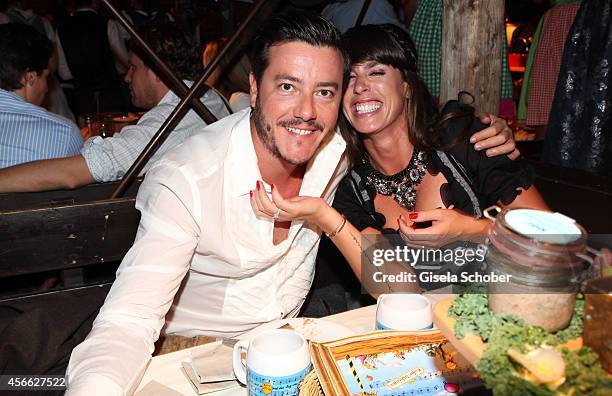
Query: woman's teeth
(367,107)
(299,131)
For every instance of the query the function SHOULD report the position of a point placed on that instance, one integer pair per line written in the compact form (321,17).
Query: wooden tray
(471,346)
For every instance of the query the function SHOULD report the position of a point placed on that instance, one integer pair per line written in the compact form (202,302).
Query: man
(17,13)
(138,14)
(55,100)
(89,45)
(344,13)
(102,160)
(27,131)
(198,232)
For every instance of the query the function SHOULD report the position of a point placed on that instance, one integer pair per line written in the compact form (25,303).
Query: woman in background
(231,78)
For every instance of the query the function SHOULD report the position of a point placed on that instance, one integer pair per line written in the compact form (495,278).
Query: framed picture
(393,363)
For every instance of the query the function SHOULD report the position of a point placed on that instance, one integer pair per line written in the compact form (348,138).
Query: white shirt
(239,101)
(109,159)
(199,236)
(29,15)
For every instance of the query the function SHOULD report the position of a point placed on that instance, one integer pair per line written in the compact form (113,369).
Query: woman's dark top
(475,181)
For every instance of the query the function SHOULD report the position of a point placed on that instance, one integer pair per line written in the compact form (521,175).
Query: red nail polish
(251,193)
(258,185)
(413,216)
(272,186)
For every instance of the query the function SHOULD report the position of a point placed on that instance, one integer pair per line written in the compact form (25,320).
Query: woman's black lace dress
(579,133)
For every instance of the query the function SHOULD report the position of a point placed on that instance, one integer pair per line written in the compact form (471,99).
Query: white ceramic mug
(403,311)
(277,361)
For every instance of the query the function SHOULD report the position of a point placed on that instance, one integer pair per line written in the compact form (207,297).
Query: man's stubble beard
(264,131)
(266,136)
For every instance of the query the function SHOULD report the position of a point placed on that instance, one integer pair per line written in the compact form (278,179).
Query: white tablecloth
(164,376)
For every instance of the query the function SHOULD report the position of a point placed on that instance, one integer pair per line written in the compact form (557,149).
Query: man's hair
(22,49)
(304,27)
(172,47)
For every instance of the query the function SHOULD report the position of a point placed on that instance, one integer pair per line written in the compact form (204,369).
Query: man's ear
(253,87)
(28,78)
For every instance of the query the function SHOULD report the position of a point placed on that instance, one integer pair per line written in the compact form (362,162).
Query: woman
(230,78)
(407,169)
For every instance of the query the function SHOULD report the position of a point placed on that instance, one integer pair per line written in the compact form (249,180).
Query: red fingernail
(413,215)
(251,193)
(258,185)
(272,186)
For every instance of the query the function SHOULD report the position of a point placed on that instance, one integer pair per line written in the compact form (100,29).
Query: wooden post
(471,52)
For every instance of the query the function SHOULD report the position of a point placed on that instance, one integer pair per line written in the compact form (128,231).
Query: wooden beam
(471,51)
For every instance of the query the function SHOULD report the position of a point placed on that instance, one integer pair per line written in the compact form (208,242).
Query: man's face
(141,80)
(37,87)
(296,103)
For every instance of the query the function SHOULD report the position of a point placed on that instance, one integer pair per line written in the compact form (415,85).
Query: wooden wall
(471,51)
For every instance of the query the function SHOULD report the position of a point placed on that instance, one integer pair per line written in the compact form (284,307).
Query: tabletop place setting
(461,339)
(391,348)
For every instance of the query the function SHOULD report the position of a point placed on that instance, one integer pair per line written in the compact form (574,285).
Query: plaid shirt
(548,56)
(426,31)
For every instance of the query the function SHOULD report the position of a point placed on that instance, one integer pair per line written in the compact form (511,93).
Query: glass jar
(539,253)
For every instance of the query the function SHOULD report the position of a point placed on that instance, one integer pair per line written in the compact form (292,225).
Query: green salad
(583,372)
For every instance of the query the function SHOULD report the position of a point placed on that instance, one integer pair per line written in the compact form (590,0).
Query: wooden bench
(66,231)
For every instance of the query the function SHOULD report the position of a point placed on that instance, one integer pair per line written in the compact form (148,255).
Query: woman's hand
(498,138)
(447,225)
(311,209)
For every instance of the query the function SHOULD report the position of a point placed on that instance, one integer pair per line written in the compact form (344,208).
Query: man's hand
(498,138)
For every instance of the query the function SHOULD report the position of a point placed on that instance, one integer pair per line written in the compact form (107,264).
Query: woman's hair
(390,45)
(232,74)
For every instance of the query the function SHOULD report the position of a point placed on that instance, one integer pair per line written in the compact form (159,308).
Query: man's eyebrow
(294,79)
(287,77)
(332,84)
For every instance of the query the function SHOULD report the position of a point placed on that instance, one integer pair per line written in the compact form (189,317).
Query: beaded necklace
(402,185)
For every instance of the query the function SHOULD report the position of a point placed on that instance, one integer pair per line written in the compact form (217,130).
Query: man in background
(27,131)
(18,12)
(108,159)
(89,44)
(343,14)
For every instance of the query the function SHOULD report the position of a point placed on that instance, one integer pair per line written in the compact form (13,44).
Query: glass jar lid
(537,238)
(543,226)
